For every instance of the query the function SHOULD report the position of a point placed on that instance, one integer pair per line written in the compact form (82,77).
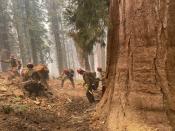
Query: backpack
(94,81)
(13,62)
(71,73)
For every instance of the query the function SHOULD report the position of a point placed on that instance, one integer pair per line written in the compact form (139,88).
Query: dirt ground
(67,109)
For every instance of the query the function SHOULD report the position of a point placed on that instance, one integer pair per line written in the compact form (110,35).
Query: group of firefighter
(91,81)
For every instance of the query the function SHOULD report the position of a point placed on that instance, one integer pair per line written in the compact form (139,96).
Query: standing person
(31,80)
(68,74)
(12,61)
(19,66)
(102,79)
(31,73)
(89,79)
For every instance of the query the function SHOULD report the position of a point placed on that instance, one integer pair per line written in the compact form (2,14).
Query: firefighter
(32,74)
(89,81)
(12,61)
(68,74)
(32,81)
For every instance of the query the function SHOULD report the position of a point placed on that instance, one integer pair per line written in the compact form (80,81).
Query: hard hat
(80,71)
(30,65)
(99,69)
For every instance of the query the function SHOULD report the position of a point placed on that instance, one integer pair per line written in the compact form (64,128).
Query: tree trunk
(64,56)
(79,55)
(55,27)
(34,51)
(68,57)
(103,58)
(91,59)
(4,43)
(41,58)
(63,42)
(30,43)
(86,61)
(22,30)
(82,57)
(4,55)
(140,66)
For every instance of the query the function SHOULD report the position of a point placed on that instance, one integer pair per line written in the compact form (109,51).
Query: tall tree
(100,56)
(91,61)
(87,20)
(35,19)
(20,22)
(54,13)
(63,34)
(140,68)
(4,43)
(29,22)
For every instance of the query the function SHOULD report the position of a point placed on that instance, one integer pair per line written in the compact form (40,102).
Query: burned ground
(66,110)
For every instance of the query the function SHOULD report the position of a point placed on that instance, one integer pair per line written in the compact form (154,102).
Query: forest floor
(66,110)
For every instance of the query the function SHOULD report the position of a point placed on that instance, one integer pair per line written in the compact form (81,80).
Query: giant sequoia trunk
(141,66)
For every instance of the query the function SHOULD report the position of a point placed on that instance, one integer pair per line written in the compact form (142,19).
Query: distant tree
(4,37)
(54,8)
(29,21)
(20,23)
(35,20)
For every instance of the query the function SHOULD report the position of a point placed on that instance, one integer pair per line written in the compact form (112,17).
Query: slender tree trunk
(52,11)
(103,58)
(4,41)
(34,51)
(80,56)
(63,42)
(42,61)
(21,44)
(4,55)
(64,55)
(22,30)
(100,55)
(86,61)
(91,59)
(72,57)
(68,57)
(83,58)
(140,68)
(30,44)
(18,22)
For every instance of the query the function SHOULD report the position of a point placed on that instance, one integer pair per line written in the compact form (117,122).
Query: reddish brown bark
(140,67)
